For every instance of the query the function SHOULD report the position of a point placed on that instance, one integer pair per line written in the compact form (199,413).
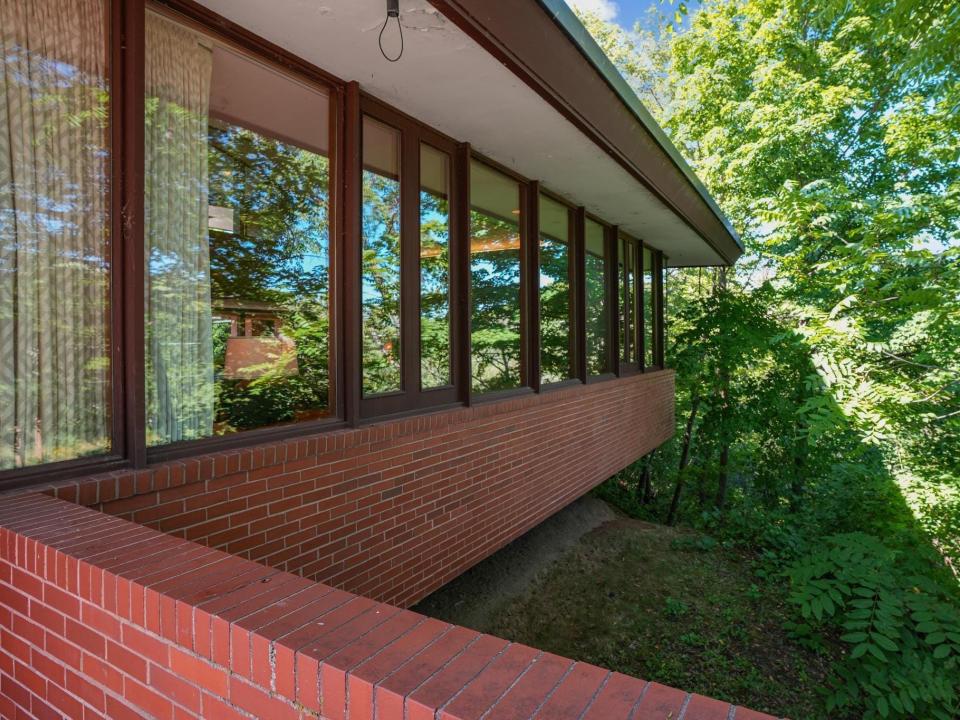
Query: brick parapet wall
(396,509)
(100,617)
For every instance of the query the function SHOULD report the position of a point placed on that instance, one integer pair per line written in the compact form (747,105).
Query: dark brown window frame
(658,314)
(347,106)
(412,397)
(633,315)
(222,30)
(529,300)
(573,218)
(611,297)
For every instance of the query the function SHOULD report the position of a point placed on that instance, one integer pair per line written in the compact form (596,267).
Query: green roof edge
(571,25)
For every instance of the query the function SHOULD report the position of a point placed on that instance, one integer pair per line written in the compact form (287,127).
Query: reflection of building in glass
(256,345)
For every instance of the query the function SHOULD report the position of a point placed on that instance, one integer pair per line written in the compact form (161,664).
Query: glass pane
(596,262)
(648,315)
(556,347)
(380,286)
(434,267)
(495,279)
(663,309)
(628,300)
(623,325)
(54,232)
(237,236)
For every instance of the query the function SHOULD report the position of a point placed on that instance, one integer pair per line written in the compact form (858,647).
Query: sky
(626,12)
(623,12)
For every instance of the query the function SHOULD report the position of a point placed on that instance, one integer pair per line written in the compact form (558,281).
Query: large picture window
(597,319)
(495,272)
(237,240)
(557,338)
(55,366)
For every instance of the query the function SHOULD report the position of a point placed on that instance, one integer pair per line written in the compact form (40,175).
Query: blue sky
(627,12)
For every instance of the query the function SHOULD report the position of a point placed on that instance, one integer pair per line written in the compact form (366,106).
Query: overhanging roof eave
(581,37)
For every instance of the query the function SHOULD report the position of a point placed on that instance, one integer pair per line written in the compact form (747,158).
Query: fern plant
(902,628)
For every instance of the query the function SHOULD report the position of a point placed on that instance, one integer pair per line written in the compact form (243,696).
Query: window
(237,228)
(380,266)
(649,309)
(55,365)
(557,339)
(407,265)
(597,320)
(628,263)
(495,272)
(435,326)
(662,340)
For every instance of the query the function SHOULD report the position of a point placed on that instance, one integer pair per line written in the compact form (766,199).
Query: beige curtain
(179,350)
(54,279)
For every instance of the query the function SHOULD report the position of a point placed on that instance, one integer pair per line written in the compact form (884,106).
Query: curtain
(179,351)
(54,243)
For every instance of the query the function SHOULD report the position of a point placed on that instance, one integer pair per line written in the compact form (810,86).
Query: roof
(578,33)
(525,85)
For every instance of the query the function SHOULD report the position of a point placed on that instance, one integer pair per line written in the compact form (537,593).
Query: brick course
(396,509)
(157,626)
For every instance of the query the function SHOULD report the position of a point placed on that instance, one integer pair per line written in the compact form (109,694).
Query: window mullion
(410,263)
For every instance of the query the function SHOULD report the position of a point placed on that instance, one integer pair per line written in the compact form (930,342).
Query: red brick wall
(396,509)
(100,617)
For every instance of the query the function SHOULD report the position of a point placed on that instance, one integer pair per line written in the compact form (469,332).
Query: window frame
(573,218)
(259,50)
(634,313)
(610,296)
(348,104)
(119,192)
(412,397)
(657,312)
(529,299)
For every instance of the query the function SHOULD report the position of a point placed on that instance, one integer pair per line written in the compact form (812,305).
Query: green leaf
(856,637)
(884,642)
(941,651)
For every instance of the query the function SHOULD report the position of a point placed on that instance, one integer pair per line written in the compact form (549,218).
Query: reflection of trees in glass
(276,260)
(434,290)
(495,292)
(647,308)
(54,268)
(597,361)
(381,283)
(628,300)
(555,357)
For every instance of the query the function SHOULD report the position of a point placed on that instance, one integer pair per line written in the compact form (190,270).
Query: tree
(818,383)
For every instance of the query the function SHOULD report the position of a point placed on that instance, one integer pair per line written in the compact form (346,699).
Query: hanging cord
(380,39)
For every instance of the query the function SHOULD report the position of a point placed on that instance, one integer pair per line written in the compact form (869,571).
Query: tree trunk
(684,461)
(646,481)
(799,460)
(644,484)
(724,376)
(722,477)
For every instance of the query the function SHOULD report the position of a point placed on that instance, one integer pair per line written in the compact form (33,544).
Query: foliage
(818,382)
(903,630)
